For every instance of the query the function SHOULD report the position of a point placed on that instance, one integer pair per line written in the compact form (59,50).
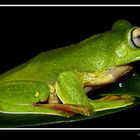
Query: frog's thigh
(70,89)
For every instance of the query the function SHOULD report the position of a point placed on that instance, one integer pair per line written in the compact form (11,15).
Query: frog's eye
(135,37)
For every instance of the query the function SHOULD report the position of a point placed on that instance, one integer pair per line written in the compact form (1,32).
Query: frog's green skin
(53,82)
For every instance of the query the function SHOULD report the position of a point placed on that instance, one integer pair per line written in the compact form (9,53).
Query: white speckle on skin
(121,52)
(37,94)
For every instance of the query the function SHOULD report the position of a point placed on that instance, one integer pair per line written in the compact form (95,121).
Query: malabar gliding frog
(56,82)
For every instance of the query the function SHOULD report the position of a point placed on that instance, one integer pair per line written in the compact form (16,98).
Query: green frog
(56,82)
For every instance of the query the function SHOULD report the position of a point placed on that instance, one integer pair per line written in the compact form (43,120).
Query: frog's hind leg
(70,91)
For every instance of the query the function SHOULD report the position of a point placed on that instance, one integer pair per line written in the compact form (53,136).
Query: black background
(26,31)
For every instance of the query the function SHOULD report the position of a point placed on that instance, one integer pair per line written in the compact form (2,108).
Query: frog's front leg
(105,77)
(95,80)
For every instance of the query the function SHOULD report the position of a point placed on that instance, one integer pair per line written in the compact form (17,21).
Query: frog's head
(127,45)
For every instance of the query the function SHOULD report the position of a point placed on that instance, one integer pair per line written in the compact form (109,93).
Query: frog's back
(47,65)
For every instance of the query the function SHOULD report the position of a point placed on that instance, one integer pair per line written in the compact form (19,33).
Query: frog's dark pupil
(138,36)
